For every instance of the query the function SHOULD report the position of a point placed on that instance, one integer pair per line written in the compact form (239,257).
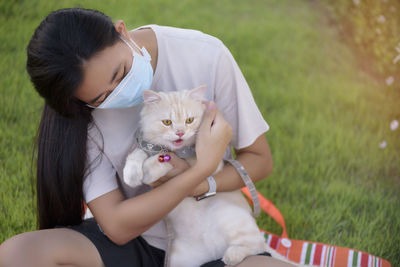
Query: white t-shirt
(186,59)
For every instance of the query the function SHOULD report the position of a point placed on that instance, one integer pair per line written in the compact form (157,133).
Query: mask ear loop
(126,42)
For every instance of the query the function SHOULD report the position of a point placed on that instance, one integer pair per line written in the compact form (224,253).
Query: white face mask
(129,91)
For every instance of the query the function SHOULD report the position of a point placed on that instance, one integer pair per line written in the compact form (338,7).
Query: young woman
(91,74)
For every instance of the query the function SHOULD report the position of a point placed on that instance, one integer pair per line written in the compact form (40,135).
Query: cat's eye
(167,122)
(189,120)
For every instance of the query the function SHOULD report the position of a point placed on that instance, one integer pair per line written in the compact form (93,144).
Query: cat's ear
(198,93)
(150,96)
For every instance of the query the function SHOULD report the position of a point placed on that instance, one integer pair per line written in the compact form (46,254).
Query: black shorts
(136,253)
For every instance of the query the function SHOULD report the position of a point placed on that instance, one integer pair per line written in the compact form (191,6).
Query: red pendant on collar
(164,158)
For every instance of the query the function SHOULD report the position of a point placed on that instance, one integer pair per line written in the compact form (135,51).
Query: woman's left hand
(180,165)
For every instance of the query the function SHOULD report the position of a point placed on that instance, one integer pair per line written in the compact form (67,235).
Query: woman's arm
(124,219)
(257,161)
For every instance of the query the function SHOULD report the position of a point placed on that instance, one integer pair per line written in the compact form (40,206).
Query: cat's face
(172,119)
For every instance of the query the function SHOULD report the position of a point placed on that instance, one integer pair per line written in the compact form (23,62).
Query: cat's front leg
(153,169)
(133,170)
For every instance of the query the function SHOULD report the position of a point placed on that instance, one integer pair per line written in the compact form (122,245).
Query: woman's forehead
(98,72)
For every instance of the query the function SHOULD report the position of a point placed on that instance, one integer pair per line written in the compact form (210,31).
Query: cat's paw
(153,169)
(133,170)
(235,254)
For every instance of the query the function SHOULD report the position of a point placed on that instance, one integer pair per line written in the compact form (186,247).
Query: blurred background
(325,75)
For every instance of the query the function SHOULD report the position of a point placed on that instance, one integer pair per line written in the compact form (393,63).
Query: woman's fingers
(219,122)
(213,137)
(208,117)
(179,165)
(159,181)
(176,161)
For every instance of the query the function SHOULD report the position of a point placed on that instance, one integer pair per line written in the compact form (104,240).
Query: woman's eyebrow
(111,81)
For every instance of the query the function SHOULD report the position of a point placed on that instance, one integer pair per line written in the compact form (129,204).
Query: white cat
(217,227)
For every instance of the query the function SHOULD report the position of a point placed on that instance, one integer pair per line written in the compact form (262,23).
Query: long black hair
(60,45)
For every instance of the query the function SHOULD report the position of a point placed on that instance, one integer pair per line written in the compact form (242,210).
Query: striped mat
(318,254)
(312,253)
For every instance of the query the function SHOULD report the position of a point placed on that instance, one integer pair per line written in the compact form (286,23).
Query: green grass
(331,181)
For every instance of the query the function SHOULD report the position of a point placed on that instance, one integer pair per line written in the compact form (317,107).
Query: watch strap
(212,189)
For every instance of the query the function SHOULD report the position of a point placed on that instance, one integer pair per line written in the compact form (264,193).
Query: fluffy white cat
(217,227)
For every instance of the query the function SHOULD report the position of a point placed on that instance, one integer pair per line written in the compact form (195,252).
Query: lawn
(331,181)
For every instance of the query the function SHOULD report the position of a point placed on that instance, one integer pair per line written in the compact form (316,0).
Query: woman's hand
(180,165)
(201,189)
(212,139)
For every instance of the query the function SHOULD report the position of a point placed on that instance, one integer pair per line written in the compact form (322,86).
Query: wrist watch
(212,189)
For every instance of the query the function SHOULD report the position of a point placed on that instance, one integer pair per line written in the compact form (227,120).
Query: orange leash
(312,253)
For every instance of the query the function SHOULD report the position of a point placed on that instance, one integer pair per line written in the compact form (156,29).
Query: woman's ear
(120,27)
(150,96)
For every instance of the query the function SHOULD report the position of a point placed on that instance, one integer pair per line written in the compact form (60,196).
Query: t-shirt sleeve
(100,177)
(233,97)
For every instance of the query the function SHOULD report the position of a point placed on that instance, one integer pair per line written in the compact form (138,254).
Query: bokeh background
(325,75)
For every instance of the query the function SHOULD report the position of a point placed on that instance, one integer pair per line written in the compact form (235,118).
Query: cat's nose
(180,133)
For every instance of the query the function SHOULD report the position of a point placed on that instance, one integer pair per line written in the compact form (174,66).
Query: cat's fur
(217,227)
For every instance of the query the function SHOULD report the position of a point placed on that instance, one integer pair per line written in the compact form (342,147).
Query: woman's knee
(17,250)
(49,248)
